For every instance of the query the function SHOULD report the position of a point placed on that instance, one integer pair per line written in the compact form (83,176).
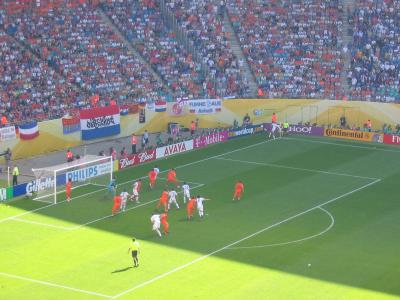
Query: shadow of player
(121,270)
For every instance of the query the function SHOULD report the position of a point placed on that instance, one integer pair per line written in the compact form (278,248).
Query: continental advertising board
(354,135)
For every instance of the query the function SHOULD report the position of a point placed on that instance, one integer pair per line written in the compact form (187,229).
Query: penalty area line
(201,258)
(65,287)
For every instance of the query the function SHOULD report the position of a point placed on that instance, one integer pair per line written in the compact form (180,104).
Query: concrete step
(237,51)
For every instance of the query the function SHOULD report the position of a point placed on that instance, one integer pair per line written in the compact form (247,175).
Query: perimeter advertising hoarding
(210,139)
(174,149)
(300,129)
(391,139)
(136,159)
(243,131)
(362,136)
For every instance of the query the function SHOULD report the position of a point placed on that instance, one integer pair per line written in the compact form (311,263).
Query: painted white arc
(331,224)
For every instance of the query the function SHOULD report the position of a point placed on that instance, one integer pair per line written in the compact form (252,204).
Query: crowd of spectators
(203,21)
(79,45)
(142,23)
(55,60)
(29,88)
(375,52)
(293,47)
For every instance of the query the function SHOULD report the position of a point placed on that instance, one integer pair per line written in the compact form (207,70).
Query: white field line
(133,207)
(374,148)
(240,240)
(332,223)
(181,166)
(55,285)
(41,224)
(295,168)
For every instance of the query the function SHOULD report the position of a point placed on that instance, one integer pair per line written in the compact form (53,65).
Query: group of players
(167,199)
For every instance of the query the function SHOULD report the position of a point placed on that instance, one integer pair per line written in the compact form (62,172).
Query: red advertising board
(391,139)
(136,159)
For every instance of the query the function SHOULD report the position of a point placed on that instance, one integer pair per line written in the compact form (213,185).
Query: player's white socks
(158,232)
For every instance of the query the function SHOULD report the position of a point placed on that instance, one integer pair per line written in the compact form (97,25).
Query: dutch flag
(161,106)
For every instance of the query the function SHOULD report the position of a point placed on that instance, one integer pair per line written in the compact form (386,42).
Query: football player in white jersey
(124,197)
(157,170)
(156,221)
(172,198)
(135,192)
(275,126)
(186,192)
(200,206)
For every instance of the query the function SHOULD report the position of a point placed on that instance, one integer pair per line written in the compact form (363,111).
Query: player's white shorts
(186,194)
(156,225)
(275,127)
(172,200)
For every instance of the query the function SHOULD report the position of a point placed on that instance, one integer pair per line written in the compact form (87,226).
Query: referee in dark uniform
(134,250)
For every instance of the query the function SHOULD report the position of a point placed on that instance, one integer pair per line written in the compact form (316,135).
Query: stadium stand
(293,47)
(142,23)
(203,21)
(30,89)
(375,66)
(79,45)
(55,54)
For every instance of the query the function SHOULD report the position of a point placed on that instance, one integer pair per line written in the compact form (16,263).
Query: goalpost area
(90,170)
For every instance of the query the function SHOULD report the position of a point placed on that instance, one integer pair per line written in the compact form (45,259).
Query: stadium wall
(322,112)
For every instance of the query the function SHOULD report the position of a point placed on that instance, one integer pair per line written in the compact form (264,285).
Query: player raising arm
(186,192)
(172,198)
(200,207)
(155,220)
(239,189)
(124,197)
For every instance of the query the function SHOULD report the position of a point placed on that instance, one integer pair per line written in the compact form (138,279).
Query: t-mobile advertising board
(300,129)
(210,139)
(136,159)
(174,149)
(391,139)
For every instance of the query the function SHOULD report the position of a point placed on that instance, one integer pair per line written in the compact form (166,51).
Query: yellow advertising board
(352,135)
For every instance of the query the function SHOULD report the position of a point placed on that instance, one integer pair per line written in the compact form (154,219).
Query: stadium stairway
(348,6)
(131,48)
(237,50)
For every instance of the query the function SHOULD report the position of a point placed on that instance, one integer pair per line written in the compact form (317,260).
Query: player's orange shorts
(165,226)
(115,208)
(152,181)
(238,194)
(190,211)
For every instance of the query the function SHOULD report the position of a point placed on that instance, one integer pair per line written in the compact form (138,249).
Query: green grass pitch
(319,219)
